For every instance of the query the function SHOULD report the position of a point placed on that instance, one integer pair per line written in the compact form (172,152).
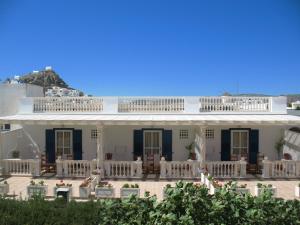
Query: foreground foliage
(186,204)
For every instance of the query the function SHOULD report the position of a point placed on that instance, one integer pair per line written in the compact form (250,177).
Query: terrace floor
(285,187)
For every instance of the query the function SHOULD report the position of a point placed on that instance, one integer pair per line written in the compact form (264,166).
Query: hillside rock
(44,78)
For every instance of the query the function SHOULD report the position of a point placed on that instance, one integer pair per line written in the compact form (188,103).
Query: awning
(159,119)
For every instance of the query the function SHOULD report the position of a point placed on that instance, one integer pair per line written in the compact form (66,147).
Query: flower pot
(258,191)
(85,192)
(104,192)
(126,192)
(40,190)
(207,182)
(65,191)
(240,190)
(4,189)
(297,191)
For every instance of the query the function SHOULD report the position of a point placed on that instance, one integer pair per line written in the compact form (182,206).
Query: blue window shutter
(50,146)
(253,146)
(225,145)
(167,145)
(137,144)
(77,144)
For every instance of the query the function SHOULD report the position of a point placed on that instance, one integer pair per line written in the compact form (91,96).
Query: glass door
(152,150)
(63,144)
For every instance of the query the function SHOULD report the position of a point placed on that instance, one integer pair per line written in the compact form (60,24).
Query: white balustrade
(22,167)
(150,104)
(67,104)
(223,169)
(123,169)
(156,104)
(73,168)
(179,169)
(235,104)
(281,168)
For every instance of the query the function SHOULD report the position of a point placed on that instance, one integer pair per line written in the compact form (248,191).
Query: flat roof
(138,119)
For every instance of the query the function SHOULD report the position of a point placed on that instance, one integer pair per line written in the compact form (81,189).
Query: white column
(100,153)
(267,167)
(200,143)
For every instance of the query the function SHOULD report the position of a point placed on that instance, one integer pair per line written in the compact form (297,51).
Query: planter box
(241,190)
(297,191)
(66,189)
(104,192)
(126,192)
(4,189)
(37,190)
(259,191)
(85,192)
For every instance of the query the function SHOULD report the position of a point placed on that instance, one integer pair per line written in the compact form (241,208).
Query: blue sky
(156,47)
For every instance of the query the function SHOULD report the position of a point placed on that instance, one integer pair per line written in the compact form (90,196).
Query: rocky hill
(45,78)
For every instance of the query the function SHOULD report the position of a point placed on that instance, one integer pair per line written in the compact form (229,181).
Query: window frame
(63,147)
(183,134)
(240,146)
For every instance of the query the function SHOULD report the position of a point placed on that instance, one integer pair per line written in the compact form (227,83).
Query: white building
(136,136)
(61,92)
(296,105)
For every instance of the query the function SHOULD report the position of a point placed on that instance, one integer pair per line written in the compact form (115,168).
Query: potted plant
(128,190)
(238,188)
(37,188)
(104,190)
(297,190)
(279,145)
(261,188)
(190,149)
(4,188)
(63,187)
(85,188)
(15,154)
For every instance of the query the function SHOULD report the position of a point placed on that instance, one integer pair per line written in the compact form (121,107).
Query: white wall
(119,140)
(10,94)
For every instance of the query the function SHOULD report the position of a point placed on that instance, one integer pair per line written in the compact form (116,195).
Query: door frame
(160,132)
(71,130)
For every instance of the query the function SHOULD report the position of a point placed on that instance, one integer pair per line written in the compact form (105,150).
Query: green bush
(186,204)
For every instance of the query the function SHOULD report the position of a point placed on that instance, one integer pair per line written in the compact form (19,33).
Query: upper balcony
(154,105)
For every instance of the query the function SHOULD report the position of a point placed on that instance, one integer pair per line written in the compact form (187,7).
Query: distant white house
(61,92)
(295,105)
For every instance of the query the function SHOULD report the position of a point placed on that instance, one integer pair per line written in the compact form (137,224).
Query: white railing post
(59,167)
(266,167)
(139,167)
(243,168)
(163,167)
(36,170)
(298,169)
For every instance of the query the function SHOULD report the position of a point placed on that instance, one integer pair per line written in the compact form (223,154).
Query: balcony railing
(67,104)
(235,104)
(155,105)
(150,104)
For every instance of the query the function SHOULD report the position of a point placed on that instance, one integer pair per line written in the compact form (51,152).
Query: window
(239,143)
(63,143)
(94,134)
(183,134)
(5,127)
(209,134)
